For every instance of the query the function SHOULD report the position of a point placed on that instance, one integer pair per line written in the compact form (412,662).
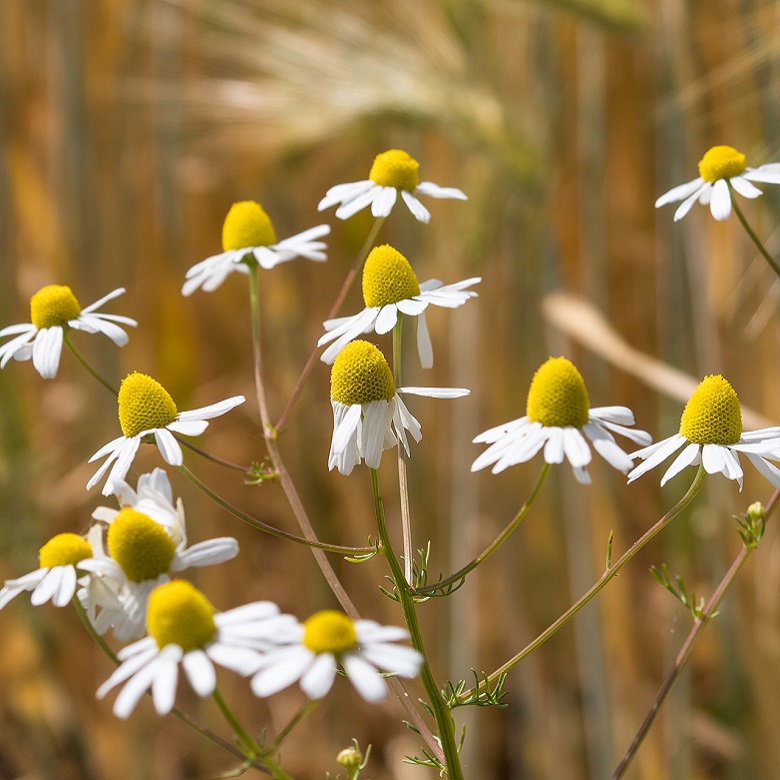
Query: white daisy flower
(146,409)
(53,310)
(711,434)
(311,652)
(369,416)
(393,171)
(142,553)
(721,169)
(184,629)
(57,576)
(390,288)
(558,415)
(248,236)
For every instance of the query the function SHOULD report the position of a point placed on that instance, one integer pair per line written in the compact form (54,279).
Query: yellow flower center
(179,614)
(712,414)
(144,404)
(395,168)
(388,277)
(360,374)
(557,397)
(64,550)
(329,631)
(139,545)
(53,305)
(247,225)
(721,162)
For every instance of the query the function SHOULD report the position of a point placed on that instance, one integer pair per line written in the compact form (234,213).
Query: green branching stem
(77,354)
(753,237)
(608,575)
(441,713)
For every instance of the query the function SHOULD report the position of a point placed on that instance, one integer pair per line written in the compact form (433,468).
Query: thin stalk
(209,456)
(303,713)
(441,712)
(350,277)
(250,747)
(70,345)
(753,237)
(460,575)
(608,575)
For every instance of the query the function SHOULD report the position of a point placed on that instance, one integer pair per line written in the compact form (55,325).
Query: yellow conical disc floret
(712,414)
(144,404)
(139,545)
(247,225)
(329,631)
(388,277)
(395,168)
(721,162)
(360,374)
(179,614)
(64,550)
(53,305)
(557,397)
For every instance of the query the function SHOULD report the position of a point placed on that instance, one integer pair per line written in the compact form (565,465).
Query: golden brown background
(128,127)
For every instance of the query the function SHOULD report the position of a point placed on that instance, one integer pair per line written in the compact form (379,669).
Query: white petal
(283,669)
(166,679)
(383,202)
(358,203)
(765,173)
(576,448)
(48,586)
(386,319)
(436,392)
(420,213)
(424,345)
(398,659)
(342,193)
(553,449)
(213,410)
(744,187)
(200,672)
(435,191)
(168,446)
(680,192)
(366,679)
(686,205)
(206,553)
(772,473)
(318,679)
(720,204)
(47,349)
(687,457)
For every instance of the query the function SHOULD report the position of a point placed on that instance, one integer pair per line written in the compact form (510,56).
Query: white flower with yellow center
(711,434)
(312,652)
(56,579)
(390,288)
(392,172)
(142,553)
(559,419)
(248,236)
(721,169)
(53,310)
(369,416)
(146,409)
(184,628)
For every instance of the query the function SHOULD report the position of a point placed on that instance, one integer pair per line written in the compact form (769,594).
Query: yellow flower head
(388,277)
(329,631)
(395,168)
(179,614)
(141,546)
(721,162)
(53,305)
(64,550)
(246,226)
(360,374)
(557,397)
(712,414)
(144,404)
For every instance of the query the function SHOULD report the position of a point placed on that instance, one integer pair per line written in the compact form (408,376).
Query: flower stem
(356,265)
(303,713)
(70,345)
(608,575)
(444,720)
(440,588)
(753,237)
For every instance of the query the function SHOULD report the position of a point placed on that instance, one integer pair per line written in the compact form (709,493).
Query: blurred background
(127,129)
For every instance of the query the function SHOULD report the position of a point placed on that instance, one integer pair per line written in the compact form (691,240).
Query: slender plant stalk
(440,587)
(441,712)
(350,277)
(208,456)
(302,714)
(71,346)
(685,651)
(753,237)
(608,575)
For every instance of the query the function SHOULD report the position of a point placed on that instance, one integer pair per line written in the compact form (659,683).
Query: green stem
(248,745)
(444,720)
(350,277)
(441,588)
(303,713)
(753,237)
(69,344)
(608,575)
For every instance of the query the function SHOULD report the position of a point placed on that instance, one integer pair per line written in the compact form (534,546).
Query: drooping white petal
(424,345)
(343,193)
(704,190)
(386,319)
(166,679)
(365,678)
(200,672)
(169,448)
(688,457)
(383,202)
(281,669)
(655,454)
(207,553)
(419,212)
(744,187)
(680,192)
(46,351)
(318,678)
(435,191)
(351,207)
(720,203)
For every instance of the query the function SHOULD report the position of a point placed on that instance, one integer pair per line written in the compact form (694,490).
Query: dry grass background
(128,127)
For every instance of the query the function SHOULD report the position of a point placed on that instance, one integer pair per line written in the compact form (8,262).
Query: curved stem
(753,237)
(350,277)
(441,588)
(303,713)
(249,746)
(441,713)
(608,575)
(208,456)
(70,345)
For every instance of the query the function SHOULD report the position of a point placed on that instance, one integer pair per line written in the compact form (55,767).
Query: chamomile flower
(368,414)
(721,170)
(390,288)
(147,412)
(141,554)
(53,310)
(184,628)
(559,418)
(248,236)
(711,434)
(311,652)
(57,576)
(393,172)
